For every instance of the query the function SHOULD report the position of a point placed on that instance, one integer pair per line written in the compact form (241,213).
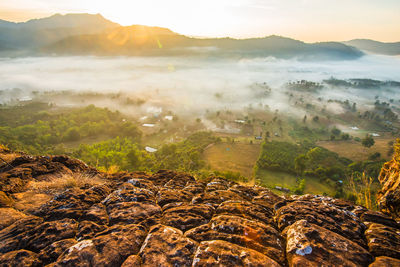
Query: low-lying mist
(190,85)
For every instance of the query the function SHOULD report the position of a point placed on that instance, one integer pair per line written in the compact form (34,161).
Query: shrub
(374,156)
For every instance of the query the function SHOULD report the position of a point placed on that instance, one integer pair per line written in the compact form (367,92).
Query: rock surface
(389,195)
(311,245)
(170,219)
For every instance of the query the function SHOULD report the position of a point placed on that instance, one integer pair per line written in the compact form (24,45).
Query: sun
(186,17)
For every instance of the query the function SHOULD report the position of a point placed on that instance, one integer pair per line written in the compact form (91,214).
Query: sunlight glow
(308,20)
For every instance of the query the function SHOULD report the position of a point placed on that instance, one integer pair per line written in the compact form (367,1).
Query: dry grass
(65,181)
(355,151)
(237,157)
(250,182)
(39,192)
(362,191)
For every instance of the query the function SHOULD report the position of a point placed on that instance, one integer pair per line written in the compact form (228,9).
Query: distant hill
(143,40)
(375,46)
(82,34)
(40,32)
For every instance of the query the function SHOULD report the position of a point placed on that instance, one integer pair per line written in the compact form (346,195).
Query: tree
(354,108)
(368,141)
(345,136)
(300,188)
(72,134)
(300,163)
(374,156)
(335,131)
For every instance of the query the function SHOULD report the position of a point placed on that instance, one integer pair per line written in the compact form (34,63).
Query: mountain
(143,40)
(6,24)
(86,22)
(40,32)
(82,34)
(57,211)
(372,46)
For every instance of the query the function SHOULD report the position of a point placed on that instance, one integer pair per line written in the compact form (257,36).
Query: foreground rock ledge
(170,219)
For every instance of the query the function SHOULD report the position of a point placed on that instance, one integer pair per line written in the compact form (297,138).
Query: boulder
(8,216)
(128,195)
(5,201)
(96,213)
(51,253)
(167,246)
(109,248)
(378,217)
(185,217)
(133,213)
(171,179)
(244,232)
(14,236)
(311,245)
(166,196)
(20,258)
(328,216)
(216,197)
(88,229)
(49,232)
(131,261)
(222,253)
(217,184)
(389,196)
(383,240)
(385,262)
(73,203)
(247,210)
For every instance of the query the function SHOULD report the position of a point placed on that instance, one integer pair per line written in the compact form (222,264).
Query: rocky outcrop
(389,195)
(311,245)
(171,219)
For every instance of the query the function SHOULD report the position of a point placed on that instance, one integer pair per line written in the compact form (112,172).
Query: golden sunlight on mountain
(311,20)
(136,34)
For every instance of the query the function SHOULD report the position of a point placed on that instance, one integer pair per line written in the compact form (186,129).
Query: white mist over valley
(190,84)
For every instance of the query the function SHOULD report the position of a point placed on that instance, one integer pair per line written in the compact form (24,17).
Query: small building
(150,149)
(25,99)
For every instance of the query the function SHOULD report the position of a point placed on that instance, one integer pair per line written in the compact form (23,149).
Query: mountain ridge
(385,48)
(80,34)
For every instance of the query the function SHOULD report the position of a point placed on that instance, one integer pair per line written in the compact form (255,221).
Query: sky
(306,20)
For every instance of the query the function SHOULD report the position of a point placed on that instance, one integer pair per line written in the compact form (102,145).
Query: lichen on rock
(171,219)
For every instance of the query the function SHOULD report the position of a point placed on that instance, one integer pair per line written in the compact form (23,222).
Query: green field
(274,178)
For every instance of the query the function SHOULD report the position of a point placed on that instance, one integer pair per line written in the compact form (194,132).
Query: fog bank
(187,84)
